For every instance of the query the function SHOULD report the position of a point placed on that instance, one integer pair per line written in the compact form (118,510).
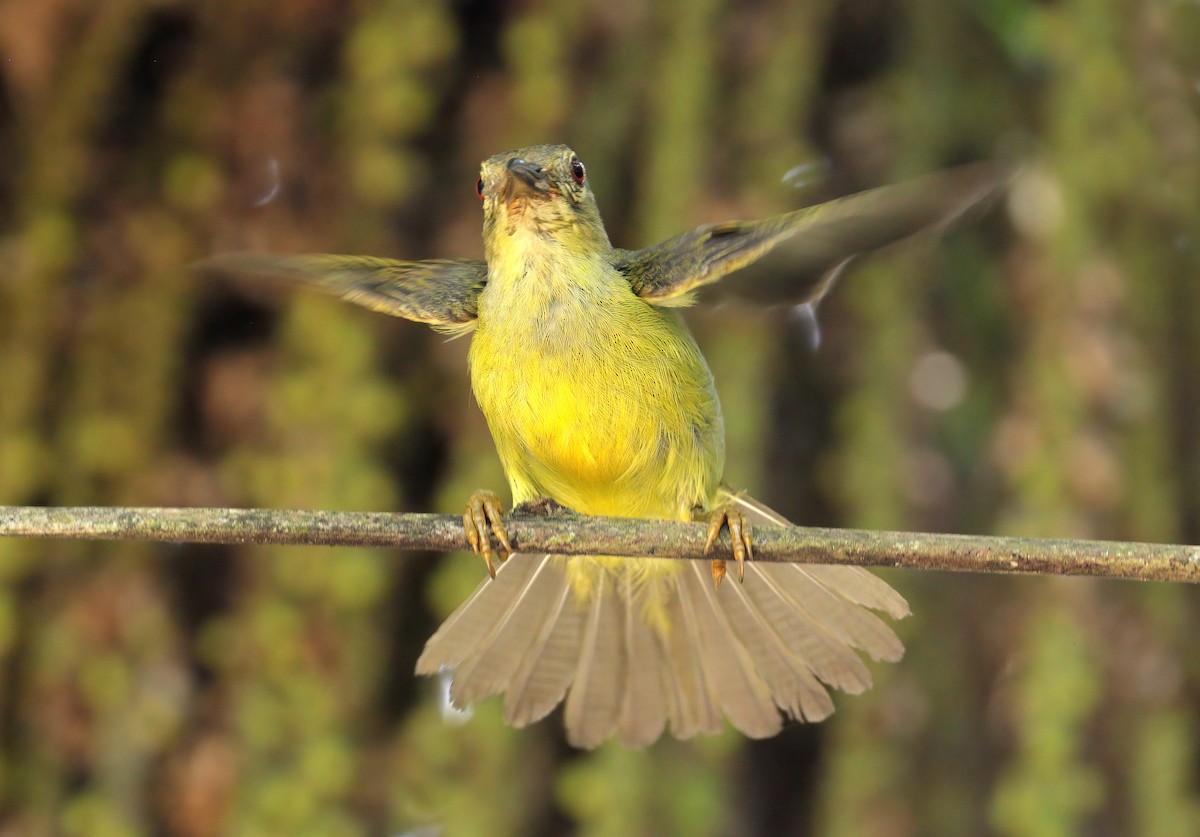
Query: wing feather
(795,257)
(443,293)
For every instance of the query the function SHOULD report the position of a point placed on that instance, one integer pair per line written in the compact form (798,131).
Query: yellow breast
(594,397)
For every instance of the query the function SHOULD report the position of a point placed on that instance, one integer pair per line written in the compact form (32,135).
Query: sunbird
(598,398)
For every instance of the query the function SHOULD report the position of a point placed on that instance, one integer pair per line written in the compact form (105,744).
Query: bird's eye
(577,171)
(479,188)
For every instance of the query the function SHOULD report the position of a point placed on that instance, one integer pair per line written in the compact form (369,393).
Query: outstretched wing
(443,293)
(794,257)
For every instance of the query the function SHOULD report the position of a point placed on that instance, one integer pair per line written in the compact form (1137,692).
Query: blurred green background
(1037,372)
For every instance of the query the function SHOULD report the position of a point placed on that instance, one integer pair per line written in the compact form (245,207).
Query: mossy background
(1037,372)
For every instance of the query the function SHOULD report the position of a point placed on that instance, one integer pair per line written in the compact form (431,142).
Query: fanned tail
(633,657)
(854,584)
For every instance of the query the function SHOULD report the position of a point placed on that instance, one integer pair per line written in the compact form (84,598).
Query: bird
(599,399)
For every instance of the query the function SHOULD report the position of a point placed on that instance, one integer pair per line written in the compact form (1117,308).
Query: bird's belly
(595,450)
(602,423)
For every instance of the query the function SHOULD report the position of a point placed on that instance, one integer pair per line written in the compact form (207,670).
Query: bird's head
(538,196)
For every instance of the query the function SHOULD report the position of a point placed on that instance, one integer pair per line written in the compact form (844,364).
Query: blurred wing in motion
(440,292)
(796,257)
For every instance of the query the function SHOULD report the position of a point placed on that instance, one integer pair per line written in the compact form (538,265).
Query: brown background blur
(1033,373)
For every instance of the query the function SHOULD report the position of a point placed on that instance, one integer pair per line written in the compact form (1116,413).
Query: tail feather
(844,620)
(852,583)
(831,660)
(474,621)
(696,712)
(793,686)
(644,706)
(637,653)
(545,673)
(731,678)
(490,667)
(857,585)
(594,701)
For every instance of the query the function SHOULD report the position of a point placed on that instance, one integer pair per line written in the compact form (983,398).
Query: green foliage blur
(1035,372)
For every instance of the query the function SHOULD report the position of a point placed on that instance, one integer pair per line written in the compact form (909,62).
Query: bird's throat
(533,273)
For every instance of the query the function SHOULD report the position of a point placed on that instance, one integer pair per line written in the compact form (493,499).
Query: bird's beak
(525,178)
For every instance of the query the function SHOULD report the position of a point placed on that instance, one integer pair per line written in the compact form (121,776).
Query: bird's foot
(481,520)
(739,532)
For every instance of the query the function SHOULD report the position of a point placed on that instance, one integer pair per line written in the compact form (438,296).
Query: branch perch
(567,533)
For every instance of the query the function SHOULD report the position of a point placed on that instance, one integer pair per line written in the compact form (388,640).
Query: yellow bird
(598,398)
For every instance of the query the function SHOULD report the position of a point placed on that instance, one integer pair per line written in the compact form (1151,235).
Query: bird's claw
(481,520)
(739,532)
